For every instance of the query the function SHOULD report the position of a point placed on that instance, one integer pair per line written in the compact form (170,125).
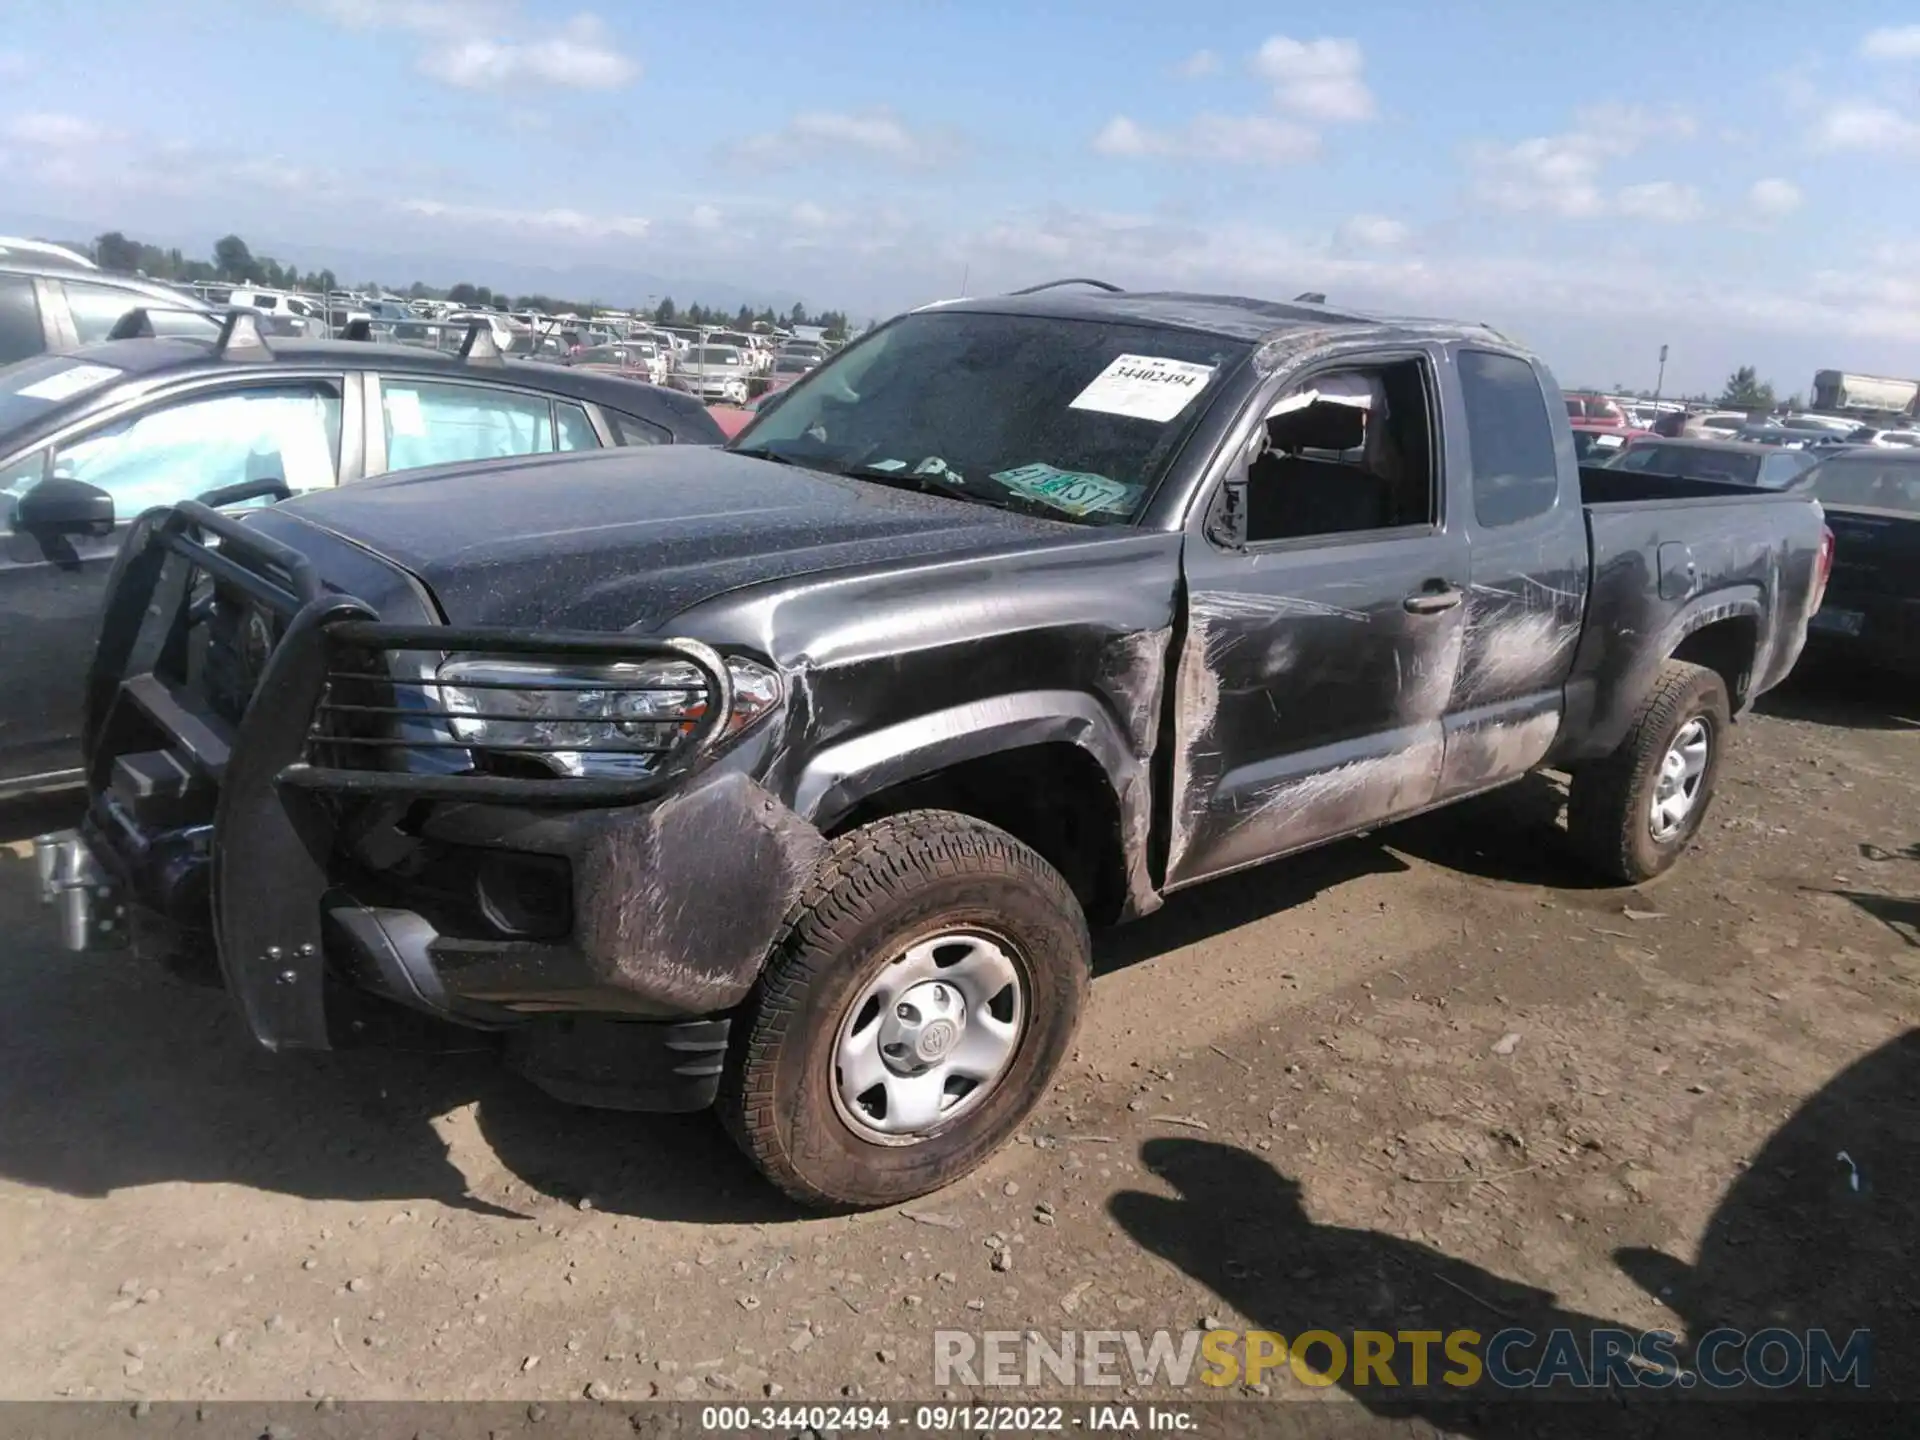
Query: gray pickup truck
(789,777)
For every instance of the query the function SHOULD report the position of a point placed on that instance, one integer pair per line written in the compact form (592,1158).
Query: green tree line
(234,262)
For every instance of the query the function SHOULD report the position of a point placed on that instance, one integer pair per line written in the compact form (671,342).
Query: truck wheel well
(1053,798)
(1729,648)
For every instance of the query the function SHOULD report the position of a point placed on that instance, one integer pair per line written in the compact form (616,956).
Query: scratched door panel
(1522,625)
(1522,515)
(1309,700)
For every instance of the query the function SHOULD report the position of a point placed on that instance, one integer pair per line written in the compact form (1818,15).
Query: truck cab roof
(1231,317)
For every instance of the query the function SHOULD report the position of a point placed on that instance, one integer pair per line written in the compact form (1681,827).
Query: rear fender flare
(1620,694)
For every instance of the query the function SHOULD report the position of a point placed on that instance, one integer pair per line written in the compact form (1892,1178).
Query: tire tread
(864,871)
(1601,806)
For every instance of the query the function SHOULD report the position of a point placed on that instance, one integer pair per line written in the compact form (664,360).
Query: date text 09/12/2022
(955,1419)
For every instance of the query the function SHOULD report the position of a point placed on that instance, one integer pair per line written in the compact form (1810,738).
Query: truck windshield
(1078,418)
(1867,482)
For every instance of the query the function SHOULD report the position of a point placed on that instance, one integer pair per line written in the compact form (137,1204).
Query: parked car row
(91,439)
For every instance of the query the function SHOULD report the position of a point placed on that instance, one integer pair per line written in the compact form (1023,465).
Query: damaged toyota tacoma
(788,778)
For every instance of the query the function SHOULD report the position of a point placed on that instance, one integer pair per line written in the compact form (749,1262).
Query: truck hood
(627,539)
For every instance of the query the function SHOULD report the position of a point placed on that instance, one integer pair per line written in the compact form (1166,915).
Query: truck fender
(1617,694)
(838,777)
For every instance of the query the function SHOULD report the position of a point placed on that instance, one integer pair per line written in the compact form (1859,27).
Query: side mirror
(62,506)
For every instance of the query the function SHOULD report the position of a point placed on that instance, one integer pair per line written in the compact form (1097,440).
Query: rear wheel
(1634,813)
(914,1014)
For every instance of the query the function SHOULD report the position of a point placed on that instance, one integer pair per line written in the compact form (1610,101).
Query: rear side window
(434,424)
(1516,475)
(1780,470)
(20,334)
(631,430)
(572,429)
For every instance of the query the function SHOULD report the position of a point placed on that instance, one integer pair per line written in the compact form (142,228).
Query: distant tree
(664,312)
(113,251)
(1746,391)
(463,294)
(798,315)
(325,280)
(1796,401)
(232,258)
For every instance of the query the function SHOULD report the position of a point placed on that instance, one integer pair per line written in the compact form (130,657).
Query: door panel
(1529,577)
(1309,694)
(50,591)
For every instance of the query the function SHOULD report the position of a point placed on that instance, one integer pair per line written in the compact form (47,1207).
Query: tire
(883,892)
(1610,808)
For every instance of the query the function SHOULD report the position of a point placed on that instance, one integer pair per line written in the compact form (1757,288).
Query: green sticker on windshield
(1073,491)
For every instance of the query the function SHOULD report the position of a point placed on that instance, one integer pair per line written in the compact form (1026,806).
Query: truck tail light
(1822,570)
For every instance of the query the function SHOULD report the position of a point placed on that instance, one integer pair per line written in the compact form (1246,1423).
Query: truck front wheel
(1634,813)
(913,1015)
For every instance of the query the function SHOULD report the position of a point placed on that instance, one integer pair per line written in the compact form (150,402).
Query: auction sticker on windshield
(1144,387)
(65,384)
(1073,491)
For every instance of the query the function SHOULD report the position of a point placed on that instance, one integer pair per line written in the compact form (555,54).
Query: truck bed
(1602,485)
(1726,567)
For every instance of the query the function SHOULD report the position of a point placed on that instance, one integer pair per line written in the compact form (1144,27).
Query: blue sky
(1742,184)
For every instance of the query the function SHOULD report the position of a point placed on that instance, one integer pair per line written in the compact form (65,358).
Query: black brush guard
(275,811)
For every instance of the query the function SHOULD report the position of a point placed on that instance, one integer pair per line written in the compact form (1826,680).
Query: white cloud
(1864,125)
(1198,65)
(1374,232)
(1892,42)
(705,217)
(1666,202)
(51,130)
(487,44)
(811,216)
(573,223)
(1562,174)
(581,56)
(1773,198)
(1566,293)
(1216,139)
(872,135)
(1320,79)
(14,62)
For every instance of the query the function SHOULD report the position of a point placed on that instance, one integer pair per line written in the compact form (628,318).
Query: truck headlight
(611,720)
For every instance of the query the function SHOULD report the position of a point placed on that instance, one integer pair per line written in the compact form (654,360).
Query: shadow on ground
(1802,1239)
(1822,691)
(118,1075)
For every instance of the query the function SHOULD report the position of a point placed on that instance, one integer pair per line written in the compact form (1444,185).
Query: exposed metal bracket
(241,338)
(480,348)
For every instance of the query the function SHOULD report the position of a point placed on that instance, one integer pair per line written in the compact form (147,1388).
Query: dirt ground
(1428,1078)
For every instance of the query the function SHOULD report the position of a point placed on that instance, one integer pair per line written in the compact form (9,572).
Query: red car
(1595,408)
(732,419)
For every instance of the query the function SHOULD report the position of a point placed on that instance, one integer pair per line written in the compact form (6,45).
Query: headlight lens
(582,720)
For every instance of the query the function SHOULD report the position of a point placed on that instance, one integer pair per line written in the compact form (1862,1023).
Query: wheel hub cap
(1682,770)
(929,1037)
(923,1026)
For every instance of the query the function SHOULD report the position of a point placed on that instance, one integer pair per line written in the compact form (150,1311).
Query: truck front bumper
(576,917)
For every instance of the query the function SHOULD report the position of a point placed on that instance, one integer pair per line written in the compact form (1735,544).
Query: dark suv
(48,306)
